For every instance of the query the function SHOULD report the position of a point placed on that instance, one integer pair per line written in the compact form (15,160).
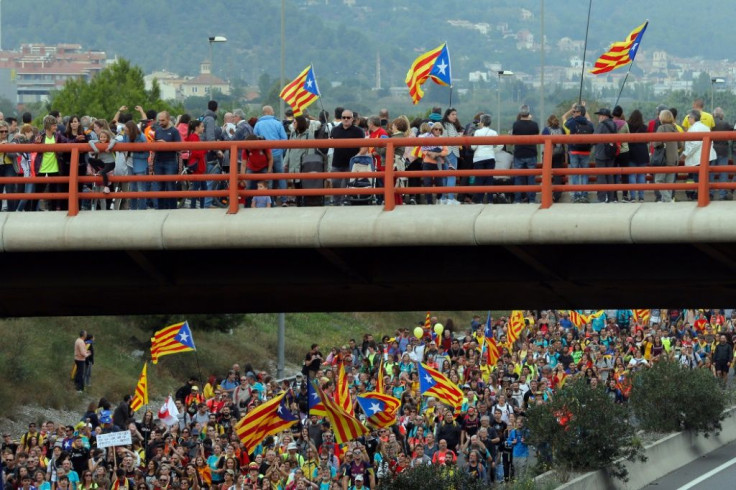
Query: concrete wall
(370,226)
(664,456)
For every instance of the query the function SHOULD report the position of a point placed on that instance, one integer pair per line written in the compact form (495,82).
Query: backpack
(611,150)
(559,149)
(586,128)
(257,159)
(323,133)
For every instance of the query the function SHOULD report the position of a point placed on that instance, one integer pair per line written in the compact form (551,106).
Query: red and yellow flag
(642,316)
(621,53)
(516,326)
(141,391)
(342,391)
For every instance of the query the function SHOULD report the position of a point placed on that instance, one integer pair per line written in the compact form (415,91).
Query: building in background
(31,73)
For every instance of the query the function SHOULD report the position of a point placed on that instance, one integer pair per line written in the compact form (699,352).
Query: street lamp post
(501,73)
(214,39)
(713,82)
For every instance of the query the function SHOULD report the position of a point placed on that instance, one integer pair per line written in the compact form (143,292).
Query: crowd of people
(215,125)
(487,438)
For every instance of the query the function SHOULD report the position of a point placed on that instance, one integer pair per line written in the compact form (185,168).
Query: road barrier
(543,174)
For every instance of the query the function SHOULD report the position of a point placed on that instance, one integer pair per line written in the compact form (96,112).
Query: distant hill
(343,40)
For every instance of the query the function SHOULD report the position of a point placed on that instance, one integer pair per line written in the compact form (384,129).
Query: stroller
(361,163)
(313,161)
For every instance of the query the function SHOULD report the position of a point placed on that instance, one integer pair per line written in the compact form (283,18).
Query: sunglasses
(347,117)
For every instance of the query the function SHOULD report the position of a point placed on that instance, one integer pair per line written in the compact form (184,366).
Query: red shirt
(378,133)
(196,157)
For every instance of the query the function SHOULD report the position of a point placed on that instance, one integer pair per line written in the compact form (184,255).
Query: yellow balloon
(418,332)
(439,328)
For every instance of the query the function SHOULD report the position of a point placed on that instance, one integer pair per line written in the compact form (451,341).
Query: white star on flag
(442,66)
(183,337)
(309,83)
(428,378)
(375,408)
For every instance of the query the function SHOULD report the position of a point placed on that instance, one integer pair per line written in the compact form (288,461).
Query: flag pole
(320,93)
(449,68)
(199,369)
(585,48)
(624,83)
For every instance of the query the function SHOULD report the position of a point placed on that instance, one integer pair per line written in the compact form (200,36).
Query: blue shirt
(271,129)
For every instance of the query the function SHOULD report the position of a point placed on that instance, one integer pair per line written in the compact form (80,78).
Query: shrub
(669,398)
(582,429)
(423,477)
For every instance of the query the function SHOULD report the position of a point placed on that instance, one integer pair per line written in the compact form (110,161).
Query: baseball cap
(603,112)
(292,445)
(358,477)
(253,466)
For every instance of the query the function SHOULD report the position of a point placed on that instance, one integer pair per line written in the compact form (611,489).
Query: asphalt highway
(716,470)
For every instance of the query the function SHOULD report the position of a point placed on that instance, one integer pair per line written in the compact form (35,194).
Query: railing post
(73,183)
(233,204)
(704,174)
(389,197)
(547,175)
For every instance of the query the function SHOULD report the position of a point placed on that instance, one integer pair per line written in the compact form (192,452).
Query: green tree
(119,84)
(582,429)
(669,398)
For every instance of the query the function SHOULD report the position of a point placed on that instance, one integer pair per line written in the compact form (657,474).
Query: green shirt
(49,164)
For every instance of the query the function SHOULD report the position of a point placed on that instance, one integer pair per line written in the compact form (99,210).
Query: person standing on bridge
(270,128)
(80,358)
(525,156)
(341,156)
(166,162)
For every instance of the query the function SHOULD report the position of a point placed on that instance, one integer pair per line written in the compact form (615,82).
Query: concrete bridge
(365,258)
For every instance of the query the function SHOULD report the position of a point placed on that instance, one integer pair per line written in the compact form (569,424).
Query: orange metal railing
(544,174)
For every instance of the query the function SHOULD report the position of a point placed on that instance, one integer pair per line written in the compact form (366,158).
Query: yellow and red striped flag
(345,426)
(434,383)
(435,64)
(173,339)
(141,391)
(620,53)
(642,316)
(492,351)
(578,319)
(380,409)
(342,391)
(266,419)
(379,378)
(302,91)
(516,326)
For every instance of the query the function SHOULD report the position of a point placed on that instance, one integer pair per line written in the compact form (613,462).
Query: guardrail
(544,174)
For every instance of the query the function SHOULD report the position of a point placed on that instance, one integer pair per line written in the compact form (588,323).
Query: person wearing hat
(194,396)
(604,153)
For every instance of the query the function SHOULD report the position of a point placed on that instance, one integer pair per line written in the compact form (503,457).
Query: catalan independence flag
(141,391)
(173,339)
(434,383)
(345,426)
(621,53)
(342,392)
(302,91)
(266,419)
(315,404)
(434,64)
(380,409)
(491,350)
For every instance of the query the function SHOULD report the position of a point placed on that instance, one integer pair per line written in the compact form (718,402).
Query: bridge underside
(367,279)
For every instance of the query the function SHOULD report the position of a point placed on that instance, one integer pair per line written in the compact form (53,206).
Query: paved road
(715,470)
